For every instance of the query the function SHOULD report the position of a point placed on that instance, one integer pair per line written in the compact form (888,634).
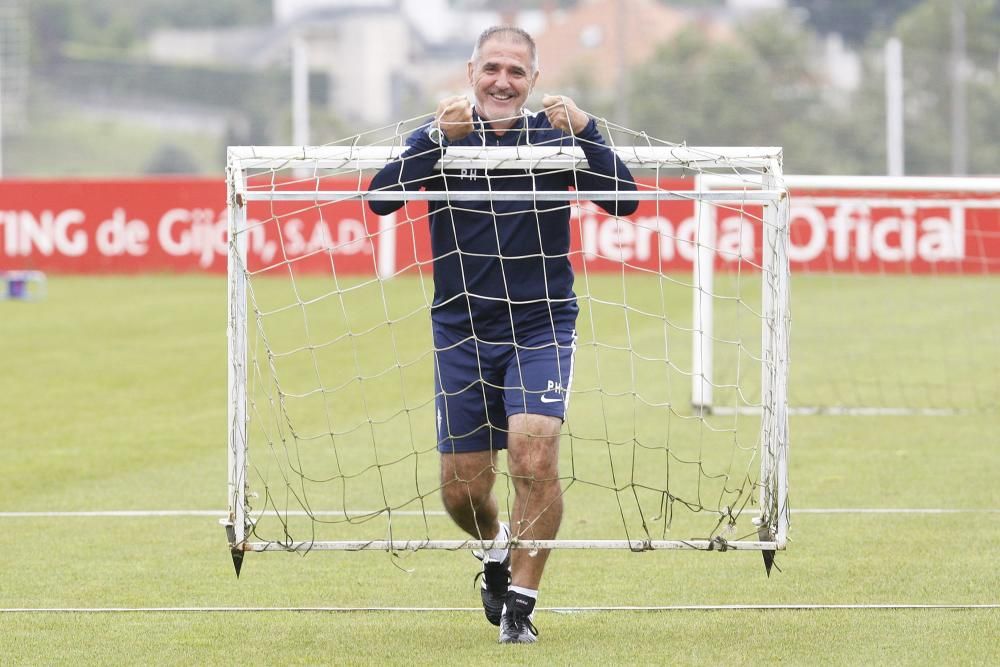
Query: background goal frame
(881,192)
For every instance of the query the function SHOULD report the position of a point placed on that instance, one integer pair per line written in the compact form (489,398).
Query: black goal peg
(234,549)
(764,535)
(237,561)
(767,554)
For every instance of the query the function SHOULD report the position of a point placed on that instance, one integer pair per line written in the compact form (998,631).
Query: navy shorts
(478,384)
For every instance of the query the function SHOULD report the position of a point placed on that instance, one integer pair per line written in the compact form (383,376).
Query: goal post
(329,385)
(237,522)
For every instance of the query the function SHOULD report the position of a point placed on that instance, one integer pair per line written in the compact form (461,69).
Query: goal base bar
(717,544)
(835,410)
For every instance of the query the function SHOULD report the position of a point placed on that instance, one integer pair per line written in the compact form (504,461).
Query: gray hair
(507,32)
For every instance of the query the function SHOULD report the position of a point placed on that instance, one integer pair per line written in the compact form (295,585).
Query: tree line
(766,86)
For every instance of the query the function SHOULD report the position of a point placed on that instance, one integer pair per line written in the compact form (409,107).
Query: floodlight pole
(894,106)
(1,105)
(300,91)
(959,139)
(621,63)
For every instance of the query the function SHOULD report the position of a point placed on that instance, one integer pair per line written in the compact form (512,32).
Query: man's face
(501,80)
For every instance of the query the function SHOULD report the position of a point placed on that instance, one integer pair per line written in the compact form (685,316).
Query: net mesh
(902,280)
(340,394)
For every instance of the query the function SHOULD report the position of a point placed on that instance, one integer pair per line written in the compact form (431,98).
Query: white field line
(843,411)
(220,514)
(892,510)
(557,610)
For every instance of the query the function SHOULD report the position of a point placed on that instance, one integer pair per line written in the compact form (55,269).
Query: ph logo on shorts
(556,388)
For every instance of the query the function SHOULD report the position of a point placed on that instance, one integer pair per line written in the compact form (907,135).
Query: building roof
(590,38)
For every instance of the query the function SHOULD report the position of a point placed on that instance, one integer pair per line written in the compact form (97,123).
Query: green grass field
(114,398)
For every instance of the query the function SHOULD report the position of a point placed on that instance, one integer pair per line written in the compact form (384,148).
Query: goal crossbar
(503,157)
(743,196)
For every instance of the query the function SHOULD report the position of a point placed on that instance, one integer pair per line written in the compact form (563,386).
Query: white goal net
(332,440)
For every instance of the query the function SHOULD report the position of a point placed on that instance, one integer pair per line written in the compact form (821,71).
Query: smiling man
(504,312)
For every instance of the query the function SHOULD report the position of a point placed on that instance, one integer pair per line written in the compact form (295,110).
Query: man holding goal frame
(504,311)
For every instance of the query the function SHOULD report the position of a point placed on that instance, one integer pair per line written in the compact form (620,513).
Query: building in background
(122,94)
(589,49)
(375,54)
(386,59)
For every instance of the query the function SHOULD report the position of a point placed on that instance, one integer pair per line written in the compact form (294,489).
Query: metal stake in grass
(238,561)
(234,549)
(765,536)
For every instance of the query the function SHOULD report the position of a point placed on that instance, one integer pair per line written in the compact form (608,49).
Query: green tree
(854,19)
(757,89)
(926,34)
(120,24)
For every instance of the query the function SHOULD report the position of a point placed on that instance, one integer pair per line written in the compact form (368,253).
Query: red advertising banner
(895,231)
(179,225)
(85,226)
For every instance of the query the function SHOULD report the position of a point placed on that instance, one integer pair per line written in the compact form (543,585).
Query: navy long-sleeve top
(503,266)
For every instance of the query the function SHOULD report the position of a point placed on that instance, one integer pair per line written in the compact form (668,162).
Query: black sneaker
(496,579)
(515,625)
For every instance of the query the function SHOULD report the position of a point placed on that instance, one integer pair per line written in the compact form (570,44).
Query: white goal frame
(704,267)
(755,177)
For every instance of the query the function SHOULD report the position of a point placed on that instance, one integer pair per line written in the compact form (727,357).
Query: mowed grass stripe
(479,610)
(114,400)
(820,637)
(152,514)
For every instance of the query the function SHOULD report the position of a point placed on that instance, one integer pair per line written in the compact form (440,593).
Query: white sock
(498,555)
